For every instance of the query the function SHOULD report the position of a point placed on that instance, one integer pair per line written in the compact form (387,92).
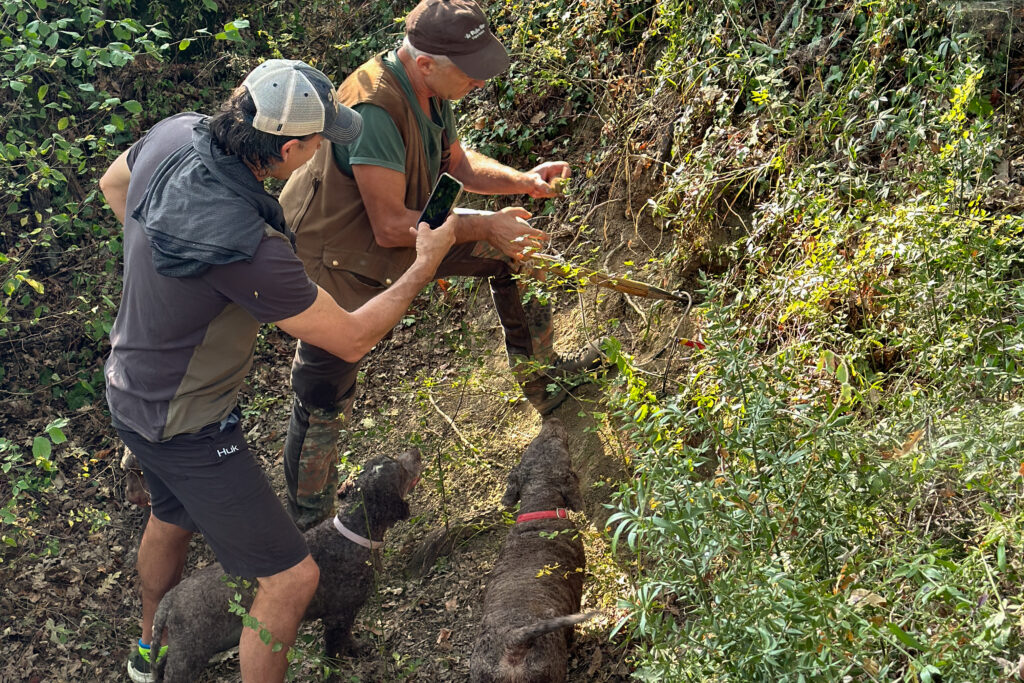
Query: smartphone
(442,200)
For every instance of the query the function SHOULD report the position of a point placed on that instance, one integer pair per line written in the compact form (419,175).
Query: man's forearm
(351,335)
(483,175)
(472,227)
(371,321)
(467,229)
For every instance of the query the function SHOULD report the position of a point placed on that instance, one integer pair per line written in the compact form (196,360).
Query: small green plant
(30,475)
(235,606)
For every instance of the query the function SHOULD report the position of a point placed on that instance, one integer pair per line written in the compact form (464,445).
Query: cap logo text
(476,33)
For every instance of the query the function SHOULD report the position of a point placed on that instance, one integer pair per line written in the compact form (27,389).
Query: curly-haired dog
(195,612)
(533,593)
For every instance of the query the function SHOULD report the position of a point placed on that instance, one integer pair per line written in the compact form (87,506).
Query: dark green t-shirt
(381,144)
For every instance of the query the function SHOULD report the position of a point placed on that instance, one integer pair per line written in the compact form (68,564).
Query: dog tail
(521,639)
(158,635)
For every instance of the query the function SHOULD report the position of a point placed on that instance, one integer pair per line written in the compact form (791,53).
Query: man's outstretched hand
(432,245)
(512,234)
(547,179)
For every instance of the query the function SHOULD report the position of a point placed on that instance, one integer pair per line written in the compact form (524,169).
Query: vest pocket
(295,221)
(350,290)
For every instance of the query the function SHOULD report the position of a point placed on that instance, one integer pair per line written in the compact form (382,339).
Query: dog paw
(351,648)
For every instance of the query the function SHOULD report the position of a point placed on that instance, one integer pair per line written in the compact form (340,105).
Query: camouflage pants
(325,385)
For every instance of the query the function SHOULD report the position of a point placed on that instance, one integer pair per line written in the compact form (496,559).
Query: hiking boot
(565,373)
(587,359)
(140,669)
(542,400)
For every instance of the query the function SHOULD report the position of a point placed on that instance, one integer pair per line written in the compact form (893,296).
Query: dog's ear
(571,491)
(511,496)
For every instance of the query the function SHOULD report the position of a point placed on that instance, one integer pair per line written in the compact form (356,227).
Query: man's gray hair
(415,52)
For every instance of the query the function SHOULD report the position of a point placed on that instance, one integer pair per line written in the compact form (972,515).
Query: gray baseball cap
(292,98)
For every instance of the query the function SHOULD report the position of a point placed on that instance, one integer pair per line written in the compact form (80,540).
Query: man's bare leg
(160,563)
(279,605)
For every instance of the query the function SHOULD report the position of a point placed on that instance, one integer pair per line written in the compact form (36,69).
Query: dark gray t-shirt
(181,347)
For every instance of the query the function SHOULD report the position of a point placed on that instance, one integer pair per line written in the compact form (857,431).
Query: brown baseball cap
(457,29)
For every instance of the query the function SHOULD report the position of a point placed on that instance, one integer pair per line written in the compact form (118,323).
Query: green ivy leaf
(41,448)
(34,284)
(843,373)
(133,106)
(183,45)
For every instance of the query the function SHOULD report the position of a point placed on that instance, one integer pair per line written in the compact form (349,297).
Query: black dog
(195,612)
(533,593)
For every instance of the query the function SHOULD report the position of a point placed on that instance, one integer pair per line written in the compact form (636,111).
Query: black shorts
(210,482)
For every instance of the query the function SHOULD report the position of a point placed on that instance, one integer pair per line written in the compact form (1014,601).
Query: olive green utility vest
(323,207)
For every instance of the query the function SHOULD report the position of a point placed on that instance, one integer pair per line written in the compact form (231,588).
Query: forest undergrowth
(831,489)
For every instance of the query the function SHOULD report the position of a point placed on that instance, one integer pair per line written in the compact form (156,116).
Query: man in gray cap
(351,207)
(208,257)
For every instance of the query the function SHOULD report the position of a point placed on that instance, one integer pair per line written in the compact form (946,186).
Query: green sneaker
(140,669)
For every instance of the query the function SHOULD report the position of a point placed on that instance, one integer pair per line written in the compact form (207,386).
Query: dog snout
(412,462)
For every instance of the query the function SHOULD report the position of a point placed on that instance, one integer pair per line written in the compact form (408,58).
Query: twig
(643,317)
(451,423)
(786,21)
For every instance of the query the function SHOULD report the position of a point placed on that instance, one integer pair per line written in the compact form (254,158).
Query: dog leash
(356,538)
(558,513)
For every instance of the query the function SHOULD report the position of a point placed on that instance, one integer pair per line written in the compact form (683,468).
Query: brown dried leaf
(862,597)
(870,666)
(909,444)
(108,583)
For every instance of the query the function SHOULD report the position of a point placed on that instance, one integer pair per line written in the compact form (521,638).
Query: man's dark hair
(232,130)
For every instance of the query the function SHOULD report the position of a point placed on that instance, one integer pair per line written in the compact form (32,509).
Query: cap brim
(346,127)
(485,63)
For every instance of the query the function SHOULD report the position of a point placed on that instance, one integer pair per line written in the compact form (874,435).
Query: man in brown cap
(351,208)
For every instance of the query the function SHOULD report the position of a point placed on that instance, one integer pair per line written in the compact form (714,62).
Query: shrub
(830,492)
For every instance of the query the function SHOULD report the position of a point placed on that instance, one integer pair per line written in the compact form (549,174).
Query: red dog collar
(559,513)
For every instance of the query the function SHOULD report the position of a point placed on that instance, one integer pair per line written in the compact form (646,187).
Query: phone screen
(442,199)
